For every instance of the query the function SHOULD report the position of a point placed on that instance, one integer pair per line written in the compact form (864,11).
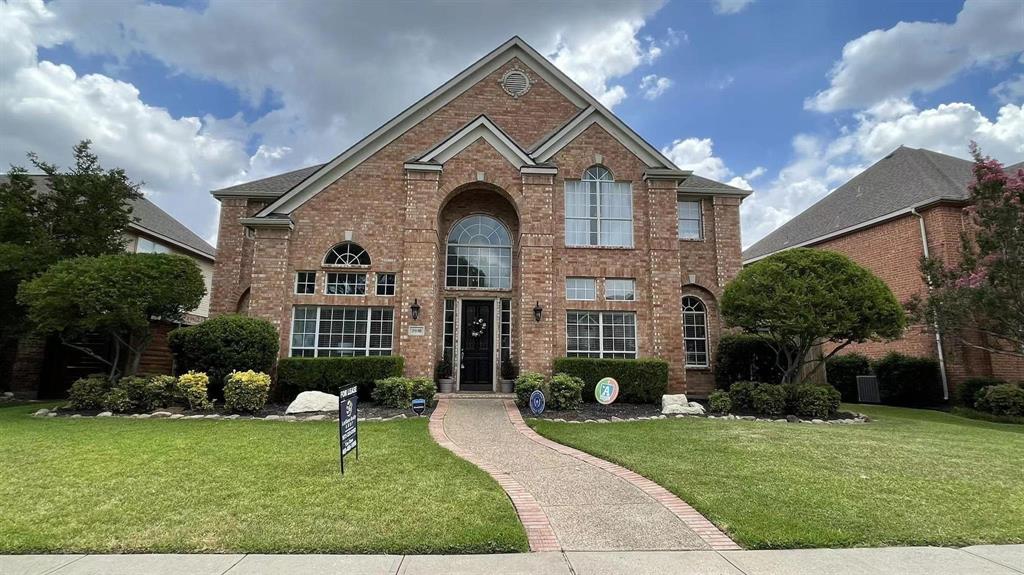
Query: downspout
(938,334)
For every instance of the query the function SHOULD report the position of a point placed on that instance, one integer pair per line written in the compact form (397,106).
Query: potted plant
(508,375)
(444,373)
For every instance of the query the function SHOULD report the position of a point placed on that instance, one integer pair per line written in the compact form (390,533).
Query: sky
(787,98)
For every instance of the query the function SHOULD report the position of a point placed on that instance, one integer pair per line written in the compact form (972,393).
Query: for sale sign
(348,423)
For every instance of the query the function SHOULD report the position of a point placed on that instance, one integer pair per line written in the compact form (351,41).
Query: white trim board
(483,128)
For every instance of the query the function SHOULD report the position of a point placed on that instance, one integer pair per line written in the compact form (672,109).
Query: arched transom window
(347,254)
(695,332)
(479,254)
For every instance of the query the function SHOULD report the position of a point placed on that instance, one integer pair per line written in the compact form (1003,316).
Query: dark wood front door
(477,336)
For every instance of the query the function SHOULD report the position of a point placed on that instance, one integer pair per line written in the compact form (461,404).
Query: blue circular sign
(537,402)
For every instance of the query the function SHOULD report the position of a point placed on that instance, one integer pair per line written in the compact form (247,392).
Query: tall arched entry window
(479,254)
(695,331)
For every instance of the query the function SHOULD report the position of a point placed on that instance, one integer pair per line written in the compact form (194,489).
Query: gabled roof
(481,127)
(905,179)
(272,186)
(699,185)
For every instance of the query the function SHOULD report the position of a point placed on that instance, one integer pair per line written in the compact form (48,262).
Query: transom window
(580,289)
(689,216)
(346,284)
(325,331)
(479,254)
(621,289)
(695,332)
(385,283)
(347,254)
(600,334)
(598,210)
(305,282)
(148,246)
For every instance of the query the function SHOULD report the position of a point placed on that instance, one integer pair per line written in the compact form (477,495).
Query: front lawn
(910,477)
(127,485)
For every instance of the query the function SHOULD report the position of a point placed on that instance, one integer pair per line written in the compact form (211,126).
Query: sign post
(348,422)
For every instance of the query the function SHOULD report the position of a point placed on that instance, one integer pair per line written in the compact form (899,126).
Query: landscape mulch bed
(598,411)
(367,410)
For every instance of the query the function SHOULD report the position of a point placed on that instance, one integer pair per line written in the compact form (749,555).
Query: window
(580,289)
(305,282)
(688,213)
(695,332)
(506,330)
(600,334)
(620,289)
(598,211)
(148,246)
(347,254)
(346,284)
(327,331)
(479,254)
(449,328)
(385,284)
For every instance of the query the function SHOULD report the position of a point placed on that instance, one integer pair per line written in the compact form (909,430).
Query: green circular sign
(606,391)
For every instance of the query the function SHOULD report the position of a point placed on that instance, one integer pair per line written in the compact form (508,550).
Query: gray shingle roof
(699,184)
(280,183)
(904,178)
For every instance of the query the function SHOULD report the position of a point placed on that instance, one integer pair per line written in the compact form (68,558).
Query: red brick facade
(401,214)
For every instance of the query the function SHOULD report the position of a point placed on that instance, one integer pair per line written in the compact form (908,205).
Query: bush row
(244,391)
(1004,399)
(398,392)
(902,379)
(642,380)
(224,344)
(774,400)
(331,374)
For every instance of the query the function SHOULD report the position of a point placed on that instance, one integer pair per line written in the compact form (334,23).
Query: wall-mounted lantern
(415,309)
(537,311)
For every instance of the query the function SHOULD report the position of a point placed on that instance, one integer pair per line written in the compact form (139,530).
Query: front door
(477,337)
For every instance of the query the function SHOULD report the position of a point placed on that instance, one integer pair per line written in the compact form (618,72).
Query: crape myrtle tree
(979,301)
(802,298)
(114,295)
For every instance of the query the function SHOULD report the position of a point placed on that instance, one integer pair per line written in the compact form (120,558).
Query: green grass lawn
(124,485)
(910,477)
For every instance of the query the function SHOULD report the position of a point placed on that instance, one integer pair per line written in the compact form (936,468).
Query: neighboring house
(46,368)
(908,204)
(505,216)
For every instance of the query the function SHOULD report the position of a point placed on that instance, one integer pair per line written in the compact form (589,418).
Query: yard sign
(348,421)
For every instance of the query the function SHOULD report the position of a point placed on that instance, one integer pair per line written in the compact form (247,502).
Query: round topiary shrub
(246,391)
(815,401)
(1005,399)
(224,344)
(740,393)
(88,392)
(769,399)
(719,402)
(566,392)
(526,384)
(193,388)
(395,392)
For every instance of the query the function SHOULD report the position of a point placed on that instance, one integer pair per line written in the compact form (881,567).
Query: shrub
(422,388)
(118,400)
(246,391)
(741,395)
(526,384)
(393,392)
(88,392)
(193,388)
(163,391)
(967,392)
(769,399)
(566,392)
(1005,399)
(905,380)
(224,344)
(719,402)
(331,374)
(842,373)
(139,392)
(744,357)
(642,380)
(815,401)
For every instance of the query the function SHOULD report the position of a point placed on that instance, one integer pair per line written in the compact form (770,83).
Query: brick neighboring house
(506,215)
(45,368)
(908,204)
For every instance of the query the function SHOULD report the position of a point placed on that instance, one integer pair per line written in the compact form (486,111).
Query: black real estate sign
(348,423)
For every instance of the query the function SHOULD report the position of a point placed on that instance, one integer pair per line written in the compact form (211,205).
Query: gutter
(938,334)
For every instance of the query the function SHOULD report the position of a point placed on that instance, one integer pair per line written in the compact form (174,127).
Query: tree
(115,295)
(801,298)
(980,300)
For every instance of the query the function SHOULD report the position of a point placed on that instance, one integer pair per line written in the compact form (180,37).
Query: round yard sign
(537,402)
(606,391)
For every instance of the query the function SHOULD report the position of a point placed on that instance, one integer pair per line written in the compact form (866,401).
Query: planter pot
(507,385)
(446,385)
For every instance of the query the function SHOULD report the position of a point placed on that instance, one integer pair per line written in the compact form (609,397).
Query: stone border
(310,416)
(531,515)
(860,418)
(706,530)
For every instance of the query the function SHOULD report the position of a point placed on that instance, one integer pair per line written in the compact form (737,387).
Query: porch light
(537,311)
(415,309)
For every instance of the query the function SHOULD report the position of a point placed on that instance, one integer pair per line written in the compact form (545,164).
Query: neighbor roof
(906,178)
(273,185)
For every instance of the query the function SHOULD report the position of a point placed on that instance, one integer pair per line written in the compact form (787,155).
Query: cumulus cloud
(1010,90)
(653,85)
(729,6)
(697,154)
(918,57)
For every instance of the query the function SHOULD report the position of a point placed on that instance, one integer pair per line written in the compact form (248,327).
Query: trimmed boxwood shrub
(246,391)
(422,388)
(223,344)
(967,392)
(642,380)
(744,357)
(768,399)
(842,373)
(905,380)
(88,392)
(331,374)
(719,402)
(566,392)
(1006,399)
(814,401)
(526,384)
(741,395)
(393,392)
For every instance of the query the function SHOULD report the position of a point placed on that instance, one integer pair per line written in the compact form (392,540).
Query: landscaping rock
(316,418)
(194,417)
(602,421)
(159,414)
(51,414)
(272,418)
(289,418)
(233,416)
(143,416)
(104,414)
(817,421)
(176,416)
(678,405)
(313,401)
(77,415)
(613,419)
(41,412)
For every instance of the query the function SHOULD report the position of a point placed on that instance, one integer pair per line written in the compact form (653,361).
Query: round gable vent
(515,83)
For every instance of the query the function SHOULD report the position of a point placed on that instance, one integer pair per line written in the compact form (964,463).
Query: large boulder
(311,401)
(677,405)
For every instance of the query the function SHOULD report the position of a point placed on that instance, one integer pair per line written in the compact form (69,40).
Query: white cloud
(729,6)
(654,85)
(1010,91)
(697,154)
(916,57)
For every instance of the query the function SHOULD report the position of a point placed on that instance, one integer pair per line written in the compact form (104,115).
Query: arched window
(695,331)
(479,254)
(598,210)
(347,254)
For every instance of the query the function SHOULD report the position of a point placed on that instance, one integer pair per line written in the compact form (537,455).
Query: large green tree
(115,295)
(802,298)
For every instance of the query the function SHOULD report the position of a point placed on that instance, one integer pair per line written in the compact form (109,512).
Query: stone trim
(531,514)
(700,525)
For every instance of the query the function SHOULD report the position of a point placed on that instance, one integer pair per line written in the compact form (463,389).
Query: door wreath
(478,327)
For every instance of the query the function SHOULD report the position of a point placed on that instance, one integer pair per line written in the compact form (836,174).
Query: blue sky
(190,97)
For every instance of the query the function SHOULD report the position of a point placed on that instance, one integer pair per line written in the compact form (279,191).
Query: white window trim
(364,294)
(593,280)
(700,220)
(606,280)
(316,334)
(599,218)
(324,263)
(510,248)
(377,284)
(297,282)
(706,338)
(600,328)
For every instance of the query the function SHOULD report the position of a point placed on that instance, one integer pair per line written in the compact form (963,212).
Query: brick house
(506,216)
(908,204)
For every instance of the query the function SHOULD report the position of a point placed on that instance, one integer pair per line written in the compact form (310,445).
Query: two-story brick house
(506,215)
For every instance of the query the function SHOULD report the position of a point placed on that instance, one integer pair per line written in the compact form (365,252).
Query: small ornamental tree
(980,301)
(114,295)
(802,298)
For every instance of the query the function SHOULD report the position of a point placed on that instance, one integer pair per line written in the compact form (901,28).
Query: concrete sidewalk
(978,560)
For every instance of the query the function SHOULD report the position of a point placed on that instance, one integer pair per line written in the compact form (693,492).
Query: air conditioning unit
(867,389)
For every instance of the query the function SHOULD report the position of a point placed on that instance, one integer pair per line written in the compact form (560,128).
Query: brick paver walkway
(567,499)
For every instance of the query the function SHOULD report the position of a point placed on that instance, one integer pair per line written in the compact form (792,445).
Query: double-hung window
(385,283)
(305,282)
(598,210)
(689,217)
(325,331)
(621,289)
(600,334)
(339,283)
(580,289)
